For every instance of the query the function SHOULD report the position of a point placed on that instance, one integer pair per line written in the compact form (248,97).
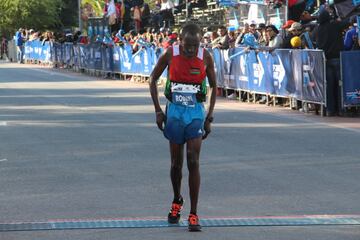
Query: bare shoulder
(208,57)
(168,53)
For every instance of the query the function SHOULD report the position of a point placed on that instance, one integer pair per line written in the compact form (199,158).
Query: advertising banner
(266,81)
(116,60)
(238,74)
(255,73)
(97,56)
(350,78)
(284,84)
(309,75)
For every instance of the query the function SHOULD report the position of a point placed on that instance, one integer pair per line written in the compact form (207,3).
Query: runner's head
(190,39)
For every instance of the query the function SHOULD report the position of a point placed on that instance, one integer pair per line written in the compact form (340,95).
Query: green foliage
(69,13)
(97,5)
(35,14)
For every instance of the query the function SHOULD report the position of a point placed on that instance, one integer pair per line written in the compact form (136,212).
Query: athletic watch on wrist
(210,119)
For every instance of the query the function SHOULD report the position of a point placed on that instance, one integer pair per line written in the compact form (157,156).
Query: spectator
(145,15)
(222,42)
(241,35)
(69,37)
(77,37)
(166,12)
(250,41)
(214,35)
(273,37)
(47,38)
(232,39)
(329,39)
(4,44)
(205,41)
(137,18)
(252,30)
(351,37)
(126,14)
(288,24)
(156,19)
(261,31)
(19,40)
(30,35)
(111,14)
(294,30)
(306,18)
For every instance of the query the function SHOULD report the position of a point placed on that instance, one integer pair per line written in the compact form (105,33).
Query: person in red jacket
(185,121)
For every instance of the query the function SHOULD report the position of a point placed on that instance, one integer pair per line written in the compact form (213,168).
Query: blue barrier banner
(82,56)
(158,53)
(218,62)
(27,50)
(313,76)
(97,56)
(126,57)
(296,58)
(76,54)
(255,73)
(148,60)
(284,83)
(137,60)
(116,60)
(68,56)
(350,78)
(225,69)
(238,70)
(310,67)
(36,50)
(266,81)
(59,53)
(107,59)
(68,53)
(53,52)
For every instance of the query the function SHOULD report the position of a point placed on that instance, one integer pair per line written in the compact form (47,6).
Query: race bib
(184,99)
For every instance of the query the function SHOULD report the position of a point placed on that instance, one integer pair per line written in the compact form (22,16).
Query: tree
(39,15)
(69,13)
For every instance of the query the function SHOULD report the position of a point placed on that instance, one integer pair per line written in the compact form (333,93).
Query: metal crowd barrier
(298,74)
(12,51)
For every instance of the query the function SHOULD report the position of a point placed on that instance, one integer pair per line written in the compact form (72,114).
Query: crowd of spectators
(132,22)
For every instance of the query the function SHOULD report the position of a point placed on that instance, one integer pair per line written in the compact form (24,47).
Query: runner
(185,120)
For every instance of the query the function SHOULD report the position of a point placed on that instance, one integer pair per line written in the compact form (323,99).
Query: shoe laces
(175,209)
(193,219)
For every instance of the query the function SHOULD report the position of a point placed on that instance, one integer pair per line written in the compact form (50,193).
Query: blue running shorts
(183,122)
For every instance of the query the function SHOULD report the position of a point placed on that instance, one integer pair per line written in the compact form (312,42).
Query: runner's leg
(193,147)
(177,159)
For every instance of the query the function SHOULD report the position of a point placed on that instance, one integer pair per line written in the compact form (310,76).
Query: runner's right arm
(160,66)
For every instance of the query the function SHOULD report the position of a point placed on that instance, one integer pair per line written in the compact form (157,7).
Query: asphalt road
(76,147)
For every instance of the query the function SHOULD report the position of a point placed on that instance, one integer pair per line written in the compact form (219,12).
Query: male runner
(185,119)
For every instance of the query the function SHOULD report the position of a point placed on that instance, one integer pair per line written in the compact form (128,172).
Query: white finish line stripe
(205,222)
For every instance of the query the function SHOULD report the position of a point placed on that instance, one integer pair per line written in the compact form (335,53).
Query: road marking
(305,220)
(3,160)
(3,123)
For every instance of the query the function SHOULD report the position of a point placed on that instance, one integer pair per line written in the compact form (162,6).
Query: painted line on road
(3,123)
(3,160)
(306,220)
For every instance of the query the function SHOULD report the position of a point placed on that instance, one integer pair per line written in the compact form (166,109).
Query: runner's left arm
(210,73)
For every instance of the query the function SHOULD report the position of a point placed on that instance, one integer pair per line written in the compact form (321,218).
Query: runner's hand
(160,120)
(207,128)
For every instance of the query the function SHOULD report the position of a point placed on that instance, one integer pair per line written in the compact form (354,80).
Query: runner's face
(190,44)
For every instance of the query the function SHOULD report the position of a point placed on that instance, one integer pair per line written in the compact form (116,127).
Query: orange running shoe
(174,214)
(194,225)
